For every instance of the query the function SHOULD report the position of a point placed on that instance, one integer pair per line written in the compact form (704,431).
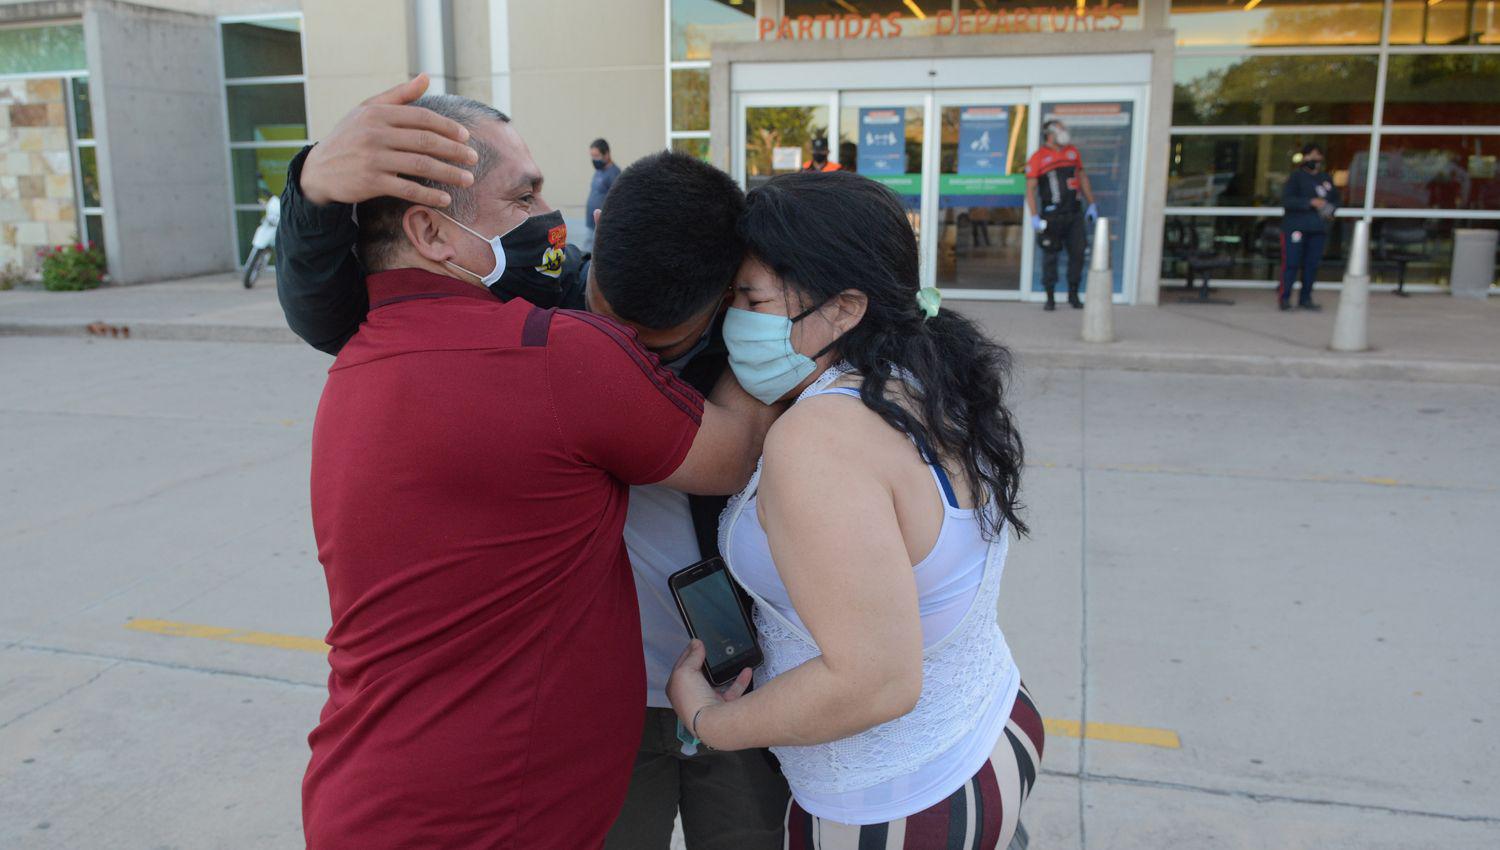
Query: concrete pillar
(163,157)
(432,28)
(1098,301)
(1351,325)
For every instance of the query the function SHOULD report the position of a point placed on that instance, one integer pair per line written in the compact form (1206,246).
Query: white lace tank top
(969,681)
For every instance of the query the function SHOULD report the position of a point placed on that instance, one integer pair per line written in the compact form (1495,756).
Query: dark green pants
(729,801)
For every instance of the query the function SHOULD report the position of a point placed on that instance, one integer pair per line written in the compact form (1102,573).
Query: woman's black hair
(826,232)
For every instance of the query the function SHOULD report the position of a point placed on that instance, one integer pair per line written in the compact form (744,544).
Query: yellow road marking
(1144,735)
(193,630)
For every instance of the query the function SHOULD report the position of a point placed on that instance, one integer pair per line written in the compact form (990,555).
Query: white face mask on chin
(1063,137)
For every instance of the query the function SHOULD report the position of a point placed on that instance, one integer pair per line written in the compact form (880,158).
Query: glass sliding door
(776,130)
(882,136)
(981,188)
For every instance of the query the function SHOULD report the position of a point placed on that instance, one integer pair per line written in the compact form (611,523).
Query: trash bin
(1473,262)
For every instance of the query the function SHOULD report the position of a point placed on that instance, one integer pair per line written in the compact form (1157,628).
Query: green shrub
(70,268)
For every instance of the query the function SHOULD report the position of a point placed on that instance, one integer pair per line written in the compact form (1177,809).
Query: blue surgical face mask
(761,353)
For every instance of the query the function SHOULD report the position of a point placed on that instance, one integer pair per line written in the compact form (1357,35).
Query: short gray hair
(380,229)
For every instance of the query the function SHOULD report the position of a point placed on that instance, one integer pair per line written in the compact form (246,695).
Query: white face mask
(1062,136)
(495,247)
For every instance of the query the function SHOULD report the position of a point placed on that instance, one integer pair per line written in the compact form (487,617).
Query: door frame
(1139,96)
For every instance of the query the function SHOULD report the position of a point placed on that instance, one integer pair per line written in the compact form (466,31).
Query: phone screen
(714,611)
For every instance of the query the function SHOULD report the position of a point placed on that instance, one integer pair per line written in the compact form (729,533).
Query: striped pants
(982,815)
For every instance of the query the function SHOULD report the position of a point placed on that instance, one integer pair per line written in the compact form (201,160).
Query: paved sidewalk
(1426,338)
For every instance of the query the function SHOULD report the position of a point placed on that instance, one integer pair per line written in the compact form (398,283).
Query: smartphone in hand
(714,613)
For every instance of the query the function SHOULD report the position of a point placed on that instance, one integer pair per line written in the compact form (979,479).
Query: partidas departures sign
(1023,19)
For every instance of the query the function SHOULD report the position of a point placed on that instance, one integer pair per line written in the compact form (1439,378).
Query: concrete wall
(580,69)
(163,157)
(471,45)
(353,49)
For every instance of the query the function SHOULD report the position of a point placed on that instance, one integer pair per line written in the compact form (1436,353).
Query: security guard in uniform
(1310,199)
(820,160)
(1056,189)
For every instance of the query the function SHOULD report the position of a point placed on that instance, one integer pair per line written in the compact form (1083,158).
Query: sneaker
(1309,306)
(1283,306)
(1050,305)
(1074,302)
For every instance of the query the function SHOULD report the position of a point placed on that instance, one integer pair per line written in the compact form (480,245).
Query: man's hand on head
(383,139)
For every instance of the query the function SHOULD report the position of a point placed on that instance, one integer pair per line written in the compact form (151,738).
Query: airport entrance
(956,154)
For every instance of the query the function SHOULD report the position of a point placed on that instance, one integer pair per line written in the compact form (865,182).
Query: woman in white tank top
(872,538)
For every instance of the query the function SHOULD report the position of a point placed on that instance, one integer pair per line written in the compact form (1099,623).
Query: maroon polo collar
(397,285)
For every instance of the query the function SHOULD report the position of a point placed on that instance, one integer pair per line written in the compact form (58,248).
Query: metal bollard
(1098,302)
(1351,325)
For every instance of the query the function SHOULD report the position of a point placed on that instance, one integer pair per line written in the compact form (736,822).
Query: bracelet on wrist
(693,727)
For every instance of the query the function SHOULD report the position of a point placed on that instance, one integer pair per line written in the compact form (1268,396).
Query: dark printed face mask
(528,259)
(598,165)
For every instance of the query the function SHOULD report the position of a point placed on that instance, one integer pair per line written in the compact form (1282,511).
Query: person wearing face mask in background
(1057,188)
(1310,200)
(605,173)
(820,160)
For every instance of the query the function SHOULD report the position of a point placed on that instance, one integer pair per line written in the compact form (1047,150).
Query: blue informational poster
(1102,132)
(983,139)
(882,141)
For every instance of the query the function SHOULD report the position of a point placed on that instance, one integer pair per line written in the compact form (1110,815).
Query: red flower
(78,247)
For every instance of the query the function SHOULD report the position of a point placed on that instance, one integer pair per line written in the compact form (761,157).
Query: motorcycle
(262,243)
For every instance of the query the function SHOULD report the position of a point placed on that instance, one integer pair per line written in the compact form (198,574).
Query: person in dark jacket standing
(605,173)
(1310,199)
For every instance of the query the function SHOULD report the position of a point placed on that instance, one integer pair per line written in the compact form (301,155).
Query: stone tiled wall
(36,170)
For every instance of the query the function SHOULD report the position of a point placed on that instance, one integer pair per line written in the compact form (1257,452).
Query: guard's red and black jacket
(1056,174)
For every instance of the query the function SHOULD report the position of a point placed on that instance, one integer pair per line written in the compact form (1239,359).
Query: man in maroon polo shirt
(471,462)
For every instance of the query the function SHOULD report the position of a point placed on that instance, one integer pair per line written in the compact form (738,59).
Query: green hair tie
(930,298)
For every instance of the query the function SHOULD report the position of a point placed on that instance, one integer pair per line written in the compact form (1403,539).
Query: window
(265,111)
(1275,74)
(35,50)
(85,163)
(1434,172)
(1453,22)
(1443,88)
(1268,90)
(1248,170)
(1276,23)
(695,25)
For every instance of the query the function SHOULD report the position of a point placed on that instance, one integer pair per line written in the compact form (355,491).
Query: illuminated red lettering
(966,22)
(804,26)
(1117,11)
(765,25)
(875,30)
(946,25)
(823,24)
(784,30)
(894,20)
(854,26)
